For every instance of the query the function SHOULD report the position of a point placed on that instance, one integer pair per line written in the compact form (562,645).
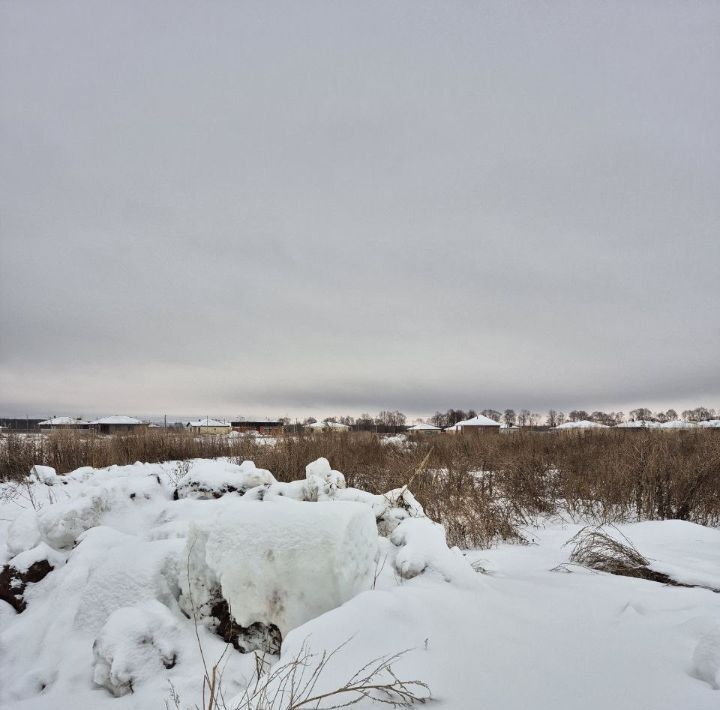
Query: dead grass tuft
(596,550)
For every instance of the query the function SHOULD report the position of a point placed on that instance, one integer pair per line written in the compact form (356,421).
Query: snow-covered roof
(208,422)
(638,424)
(61,421)
(423,427)
(710,424)
(582,424)
(678,424)
(117,419)
(328,425)
(257,420)
(479,420)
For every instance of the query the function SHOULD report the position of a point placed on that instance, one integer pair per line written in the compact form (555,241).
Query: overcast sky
(335,207)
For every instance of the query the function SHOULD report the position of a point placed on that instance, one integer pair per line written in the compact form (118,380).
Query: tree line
(392,420)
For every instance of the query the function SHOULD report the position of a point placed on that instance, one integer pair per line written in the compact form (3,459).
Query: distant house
(261,425)
(423,429)
(638,424)
(116,424)
(64,423)
(209,426)
(582,424)
(477,425)
(328,427)
(19,424)
(678,424)
(509,429)
(710,424)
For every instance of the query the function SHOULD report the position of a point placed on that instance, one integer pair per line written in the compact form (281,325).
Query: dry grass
(482,488)
(595,549)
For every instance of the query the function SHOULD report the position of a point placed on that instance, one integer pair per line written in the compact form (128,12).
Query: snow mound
(213,479)
(135,644)
(61,524)
(389,509)
(23,533)
(45,474)
(125,571)
(423,546)
(284,563)
(321,468)
(110,575)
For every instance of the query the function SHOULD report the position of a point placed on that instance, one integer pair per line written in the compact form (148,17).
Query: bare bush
(293,685)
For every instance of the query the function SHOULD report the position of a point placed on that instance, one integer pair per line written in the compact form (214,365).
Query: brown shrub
(480,487)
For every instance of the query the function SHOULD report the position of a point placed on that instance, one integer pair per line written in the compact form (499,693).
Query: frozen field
(139,568)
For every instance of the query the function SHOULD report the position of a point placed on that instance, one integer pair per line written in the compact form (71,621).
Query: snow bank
(285,563)
(125,570)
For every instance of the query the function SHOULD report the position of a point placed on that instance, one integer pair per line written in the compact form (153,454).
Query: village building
(582,424)
(19,424)
(638,424)
(509,429)
(477,425)
(63,423)
(424,429)
(260,425)
(326,427)
(116,424)
(208,426)
(678,424)
(710,424)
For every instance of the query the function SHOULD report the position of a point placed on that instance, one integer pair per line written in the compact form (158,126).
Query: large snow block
(284,563)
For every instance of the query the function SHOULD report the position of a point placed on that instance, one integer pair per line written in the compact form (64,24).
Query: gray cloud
(322,206)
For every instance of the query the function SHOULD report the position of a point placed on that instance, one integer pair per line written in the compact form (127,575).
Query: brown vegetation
(598,550)
(481,487)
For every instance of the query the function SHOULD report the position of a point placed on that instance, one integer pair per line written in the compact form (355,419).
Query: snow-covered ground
(148,559)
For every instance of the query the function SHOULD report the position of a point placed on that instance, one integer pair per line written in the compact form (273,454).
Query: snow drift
(126,581)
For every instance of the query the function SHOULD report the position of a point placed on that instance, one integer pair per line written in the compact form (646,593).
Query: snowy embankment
(117,582)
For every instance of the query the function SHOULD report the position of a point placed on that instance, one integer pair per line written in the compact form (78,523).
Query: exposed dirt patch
(13,582)
(256,637)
